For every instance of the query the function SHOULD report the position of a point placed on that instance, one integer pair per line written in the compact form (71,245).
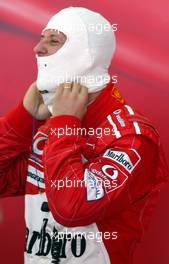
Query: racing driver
(86,161)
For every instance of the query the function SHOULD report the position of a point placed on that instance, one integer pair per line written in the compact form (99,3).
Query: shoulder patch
(93,186)
(128,159)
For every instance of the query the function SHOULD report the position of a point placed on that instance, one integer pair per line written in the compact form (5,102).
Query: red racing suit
(89,186)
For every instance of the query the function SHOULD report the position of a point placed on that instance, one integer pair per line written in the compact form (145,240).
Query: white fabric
(40,238)
(85,57)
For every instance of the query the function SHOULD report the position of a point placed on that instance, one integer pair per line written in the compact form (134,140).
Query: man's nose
(40,49)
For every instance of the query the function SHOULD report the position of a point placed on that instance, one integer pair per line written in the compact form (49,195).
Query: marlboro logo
(127,160)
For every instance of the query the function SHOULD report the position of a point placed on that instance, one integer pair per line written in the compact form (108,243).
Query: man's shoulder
(128,121)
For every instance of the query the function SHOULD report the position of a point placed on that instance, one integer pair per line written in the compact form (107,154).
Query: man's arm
(16,130)
(129,164)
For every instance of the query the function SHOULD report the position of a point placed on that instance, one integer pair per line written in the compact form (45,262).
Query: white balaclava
(85,57)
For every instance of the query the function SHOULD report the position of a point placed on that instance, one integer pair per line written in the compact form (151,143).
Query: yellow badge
(117,95)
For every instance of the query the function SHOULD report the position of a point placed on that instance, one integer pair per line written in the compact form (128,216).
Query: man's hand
(70,99)
(34,104)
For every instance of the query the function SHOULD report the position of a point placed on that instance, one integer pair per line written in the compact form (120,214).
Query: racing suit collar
(109,100)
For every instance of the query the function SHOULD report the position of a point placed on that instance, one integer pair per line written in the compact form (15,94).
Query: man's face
(50,42)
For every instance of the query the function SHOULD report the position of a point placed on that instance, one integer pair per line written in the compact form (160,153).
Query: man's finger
(60,89)
(67,87)
(76,88)
(84,91)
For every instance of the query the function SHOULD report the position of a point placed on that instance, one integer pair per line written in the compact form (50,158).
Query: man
(93,172)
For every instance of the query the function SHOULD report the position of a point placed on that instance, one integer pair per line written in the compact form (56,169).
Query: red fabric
(136,165)
(22,121)
(141,65)
(16,130)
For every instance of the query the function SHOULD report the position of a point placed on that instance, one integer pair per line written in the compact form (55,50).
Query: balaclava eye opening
(85,57)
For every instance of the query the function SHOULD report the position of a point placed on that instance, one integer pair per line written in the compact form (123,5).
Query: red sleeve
(16,130)
(79,194)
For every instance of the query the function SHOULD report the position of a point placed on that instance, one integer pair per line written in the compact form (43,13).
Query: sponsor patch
(119,118)
(117,95)
(35,177)
(38,143)
(109,177)
(110,171)
(128,160)
(93,185)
